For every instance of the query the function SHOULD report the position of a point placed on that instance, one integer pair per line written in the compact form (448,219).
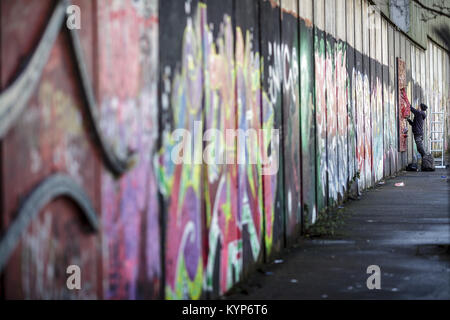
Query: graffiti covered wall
(127,34)
(115,147)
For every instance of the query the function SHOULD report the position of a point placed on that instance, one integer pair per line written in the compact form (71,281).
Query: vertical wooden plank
(403,104)
(223,222)
(428,85)
(437,91)
(380,134)
(377,130)
(415,66)
(288,51)
(307,108)
(181,62)
(387,130)
(404,154)
(391,101)
(418,75)
(248,100)
(434,91)
(409,91)
(397,46)
(341,98)
(367,94)
(2,181)
(321,124)
(427,89)
(441,125)
(436,96)
(393,53)
(371,24)
(331,114)
(358,79)
(393,136)
(9,63)
(129,112)
(49,138)
(446,100)
(351,97)
(424,96)
(272,119)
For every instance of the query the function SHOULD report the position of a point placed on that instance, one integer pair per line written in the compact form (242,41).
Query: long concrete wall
(87,124)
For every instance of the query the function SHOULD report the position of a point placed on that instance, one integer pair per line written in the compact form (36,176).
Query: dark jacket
(417,124)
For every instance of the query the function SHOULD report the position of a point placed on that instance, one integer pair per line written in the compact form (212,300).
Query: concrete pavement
(403,230)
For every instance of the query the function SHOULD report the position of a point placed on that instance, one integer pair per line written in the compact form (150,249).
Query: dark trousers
(418,138)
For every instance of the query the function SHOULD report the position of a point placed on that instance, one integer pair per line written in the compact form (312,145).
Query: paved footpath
(403,230)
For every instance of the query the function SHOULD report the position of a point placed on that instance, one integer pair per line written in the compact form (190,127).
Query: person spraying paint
(417,124)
